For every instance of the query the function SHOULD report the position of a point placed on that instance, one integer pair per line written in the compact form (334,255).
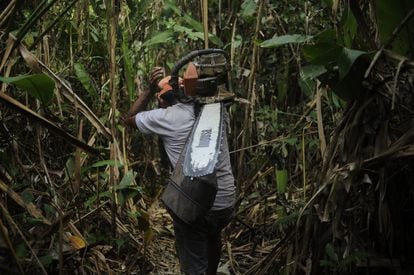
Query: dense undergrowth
(321,154)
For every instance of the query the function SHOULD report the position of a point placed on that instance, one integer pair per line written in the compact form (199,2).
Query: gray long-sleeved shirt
(173,125)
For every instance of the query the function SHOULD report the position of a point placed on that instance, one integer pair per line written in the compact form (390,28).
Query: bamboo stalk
(321,133)
(250,108)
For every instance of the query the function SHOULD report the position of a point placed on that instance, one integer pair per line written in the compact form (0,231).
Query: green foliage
(307,76)
(185,24)
(40,86)
(248,9)
(285,39)
(281,180)
(159,38)
(85,79)
(127,188)
(324,54)
(332,64)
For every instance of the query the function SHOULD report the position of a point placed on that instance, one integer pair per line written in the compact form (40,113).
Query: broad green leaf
(307,86)
(40,86)
(127,193)
(281,180)
(193,23)
(326,36)
(128,179)
(285,39)
(346,60)
(248,8)
(189,32)
(85,79)
(307,77)
(350,86)
(173,6)
(197,35)
(159,38)
(311,72)
(325,54)
(127,188)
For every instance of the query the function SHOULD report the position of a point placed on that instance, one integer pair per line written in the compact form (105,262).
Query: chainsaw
(205,81)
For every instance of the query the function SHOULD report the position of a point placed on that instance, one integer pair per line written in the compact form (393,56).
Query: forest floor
(240,252)
(161,252)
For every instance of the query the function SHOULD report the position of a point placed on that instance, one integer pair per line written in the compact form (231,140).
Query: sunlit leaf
(40,86)
(159,38)
(248,8)
(285,39)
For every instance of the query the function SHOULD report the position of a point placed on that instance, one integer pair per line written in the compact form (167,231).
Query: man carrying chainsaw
(201,192)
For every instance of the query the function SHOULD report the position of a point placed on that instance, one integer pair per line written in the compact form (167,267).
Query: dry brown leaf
(30,59)
(76,242)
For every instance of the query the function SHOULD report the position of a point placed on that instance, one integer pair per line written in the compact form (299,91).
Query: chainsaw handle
(187,58)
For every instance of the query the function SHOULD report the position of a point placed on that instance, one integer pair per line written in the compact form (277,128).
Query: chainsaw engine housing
(206,73)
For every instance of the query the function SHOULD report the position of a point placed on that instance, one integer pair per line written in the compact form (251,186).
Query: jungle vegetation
(322,151)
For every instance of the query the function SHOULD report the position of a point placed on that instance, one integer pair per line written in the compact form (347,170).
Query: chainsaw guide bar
(202,152)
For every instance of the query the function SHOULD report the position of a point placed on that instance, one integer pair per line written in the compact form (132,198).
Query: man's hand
(157,74)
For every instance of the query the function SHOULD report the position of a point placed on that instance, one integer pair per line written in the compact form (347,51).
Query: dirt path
(161,253)
(161,250)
